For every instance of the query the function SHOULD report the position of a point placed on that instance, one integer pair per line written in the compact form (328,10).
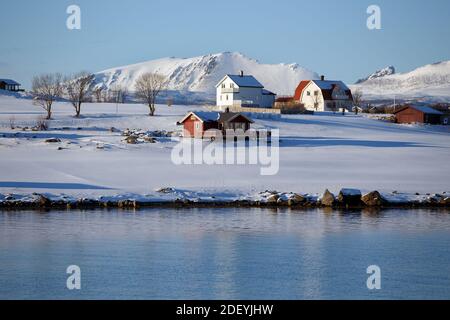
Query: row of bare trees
(79,88)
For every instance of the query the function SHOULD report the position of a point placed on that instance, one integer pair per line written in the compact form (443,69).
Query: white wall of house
(230,94)
(226,92)
(314,101)
(311,96)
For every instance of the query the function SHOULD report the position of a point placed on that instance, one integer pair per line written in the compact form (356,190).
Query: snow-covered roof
(10,82)
(328,84)
(422,108)
(243,81)
(204,116)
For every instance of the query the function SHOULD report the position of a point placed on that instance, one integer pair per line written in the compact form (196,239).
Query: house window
(231,85)
(220,97)
(226,97)
(223,85)
(197,125)
(316,93)
(308,93)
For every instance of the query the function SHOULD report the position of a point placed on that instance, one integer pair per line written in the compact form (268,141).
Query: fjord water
(225,254)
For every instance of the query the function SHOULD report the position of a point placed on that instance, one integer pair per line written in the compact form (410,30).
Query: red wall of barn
(410,115)
(189,125)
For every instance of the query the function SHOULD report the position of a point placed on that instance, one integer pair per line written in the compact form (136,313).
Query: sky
(326,36)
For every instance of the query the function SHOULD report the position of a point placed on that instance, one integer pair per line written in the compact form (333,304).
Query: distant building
(9,85)
(243,91)
(419,114)
(324,95)
(197,123)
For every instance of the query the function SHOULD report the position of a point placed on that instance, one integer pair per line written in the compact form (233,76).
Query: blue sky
(326,36)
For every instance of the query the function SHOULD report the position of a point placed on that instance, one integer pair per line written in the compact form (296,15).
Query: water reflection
(225,253)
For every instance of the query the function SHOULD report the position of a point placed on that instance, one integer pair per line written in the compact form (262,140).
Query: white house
(243,91)
(324,95)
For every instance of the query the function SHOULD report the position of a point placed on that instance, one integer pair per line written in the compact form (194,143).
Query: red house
(197,123)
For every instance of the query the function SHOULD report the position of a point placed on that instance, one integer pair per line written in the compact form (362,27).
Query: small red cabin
(197,123)
(418,114)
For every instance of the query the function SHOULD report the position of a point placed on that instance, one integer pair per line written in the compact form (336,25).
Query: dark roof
(267,92)
(421,108)
(330,84)
(204,116)
(245,81)
(10,82)
(228,116)
(207,116)
(326,86)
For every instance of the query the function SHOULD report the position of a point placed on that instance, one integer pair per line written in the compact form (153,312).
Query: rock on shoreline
(173,198)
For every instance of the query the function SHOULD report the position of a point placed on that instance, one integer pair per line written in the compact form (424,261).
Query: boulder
(434,199)
(123,204)
(349,197)
(273,198)
(327,199)
(149,139)
(374,199)
(445,201)
(131,140)
(43,201)
(166,190)
(9,197)
(296,199)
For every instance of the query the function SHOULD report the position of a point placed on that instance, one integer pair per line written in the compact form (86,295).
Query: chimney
(322,77)
(242,73)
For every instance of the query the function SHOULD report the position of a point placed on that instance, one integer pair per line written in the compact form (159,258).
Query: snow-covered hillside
(198,76)
(378,74)
(428,82)
(316,152)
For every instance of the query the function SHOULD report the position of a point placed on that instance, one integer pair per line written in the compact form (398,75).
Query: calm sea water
(225,254)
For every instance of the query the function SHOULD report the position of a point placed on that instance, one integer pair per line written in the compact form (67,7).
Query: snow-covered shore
(317,152)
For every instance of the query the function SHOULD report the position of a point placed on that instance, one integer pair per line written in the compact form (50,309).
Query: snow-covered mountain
(378,74)
(196,77)
(430,82)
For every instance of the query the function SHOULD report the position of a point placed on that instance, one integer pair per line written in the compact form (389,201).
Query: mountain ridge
(378,74)
(199,75)
(431,81)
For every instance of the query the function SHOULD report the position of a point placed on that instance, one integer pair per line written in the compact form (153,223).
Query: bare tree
(98,93)
(78,90)
(357,100)
(12,122)
(46,88)
(148,87)
(316,99)
(169,101)
(119,94)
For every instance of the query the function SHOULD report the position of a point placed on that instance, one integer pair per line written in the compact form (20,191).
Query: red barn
(418,114)
(197,123)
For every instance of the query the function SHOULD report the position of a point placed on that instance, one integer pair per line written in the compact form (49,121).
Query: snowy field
(316,152)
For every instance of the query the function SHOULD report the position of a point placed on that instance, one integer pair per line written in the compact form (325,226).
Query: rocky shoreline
(346,199)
